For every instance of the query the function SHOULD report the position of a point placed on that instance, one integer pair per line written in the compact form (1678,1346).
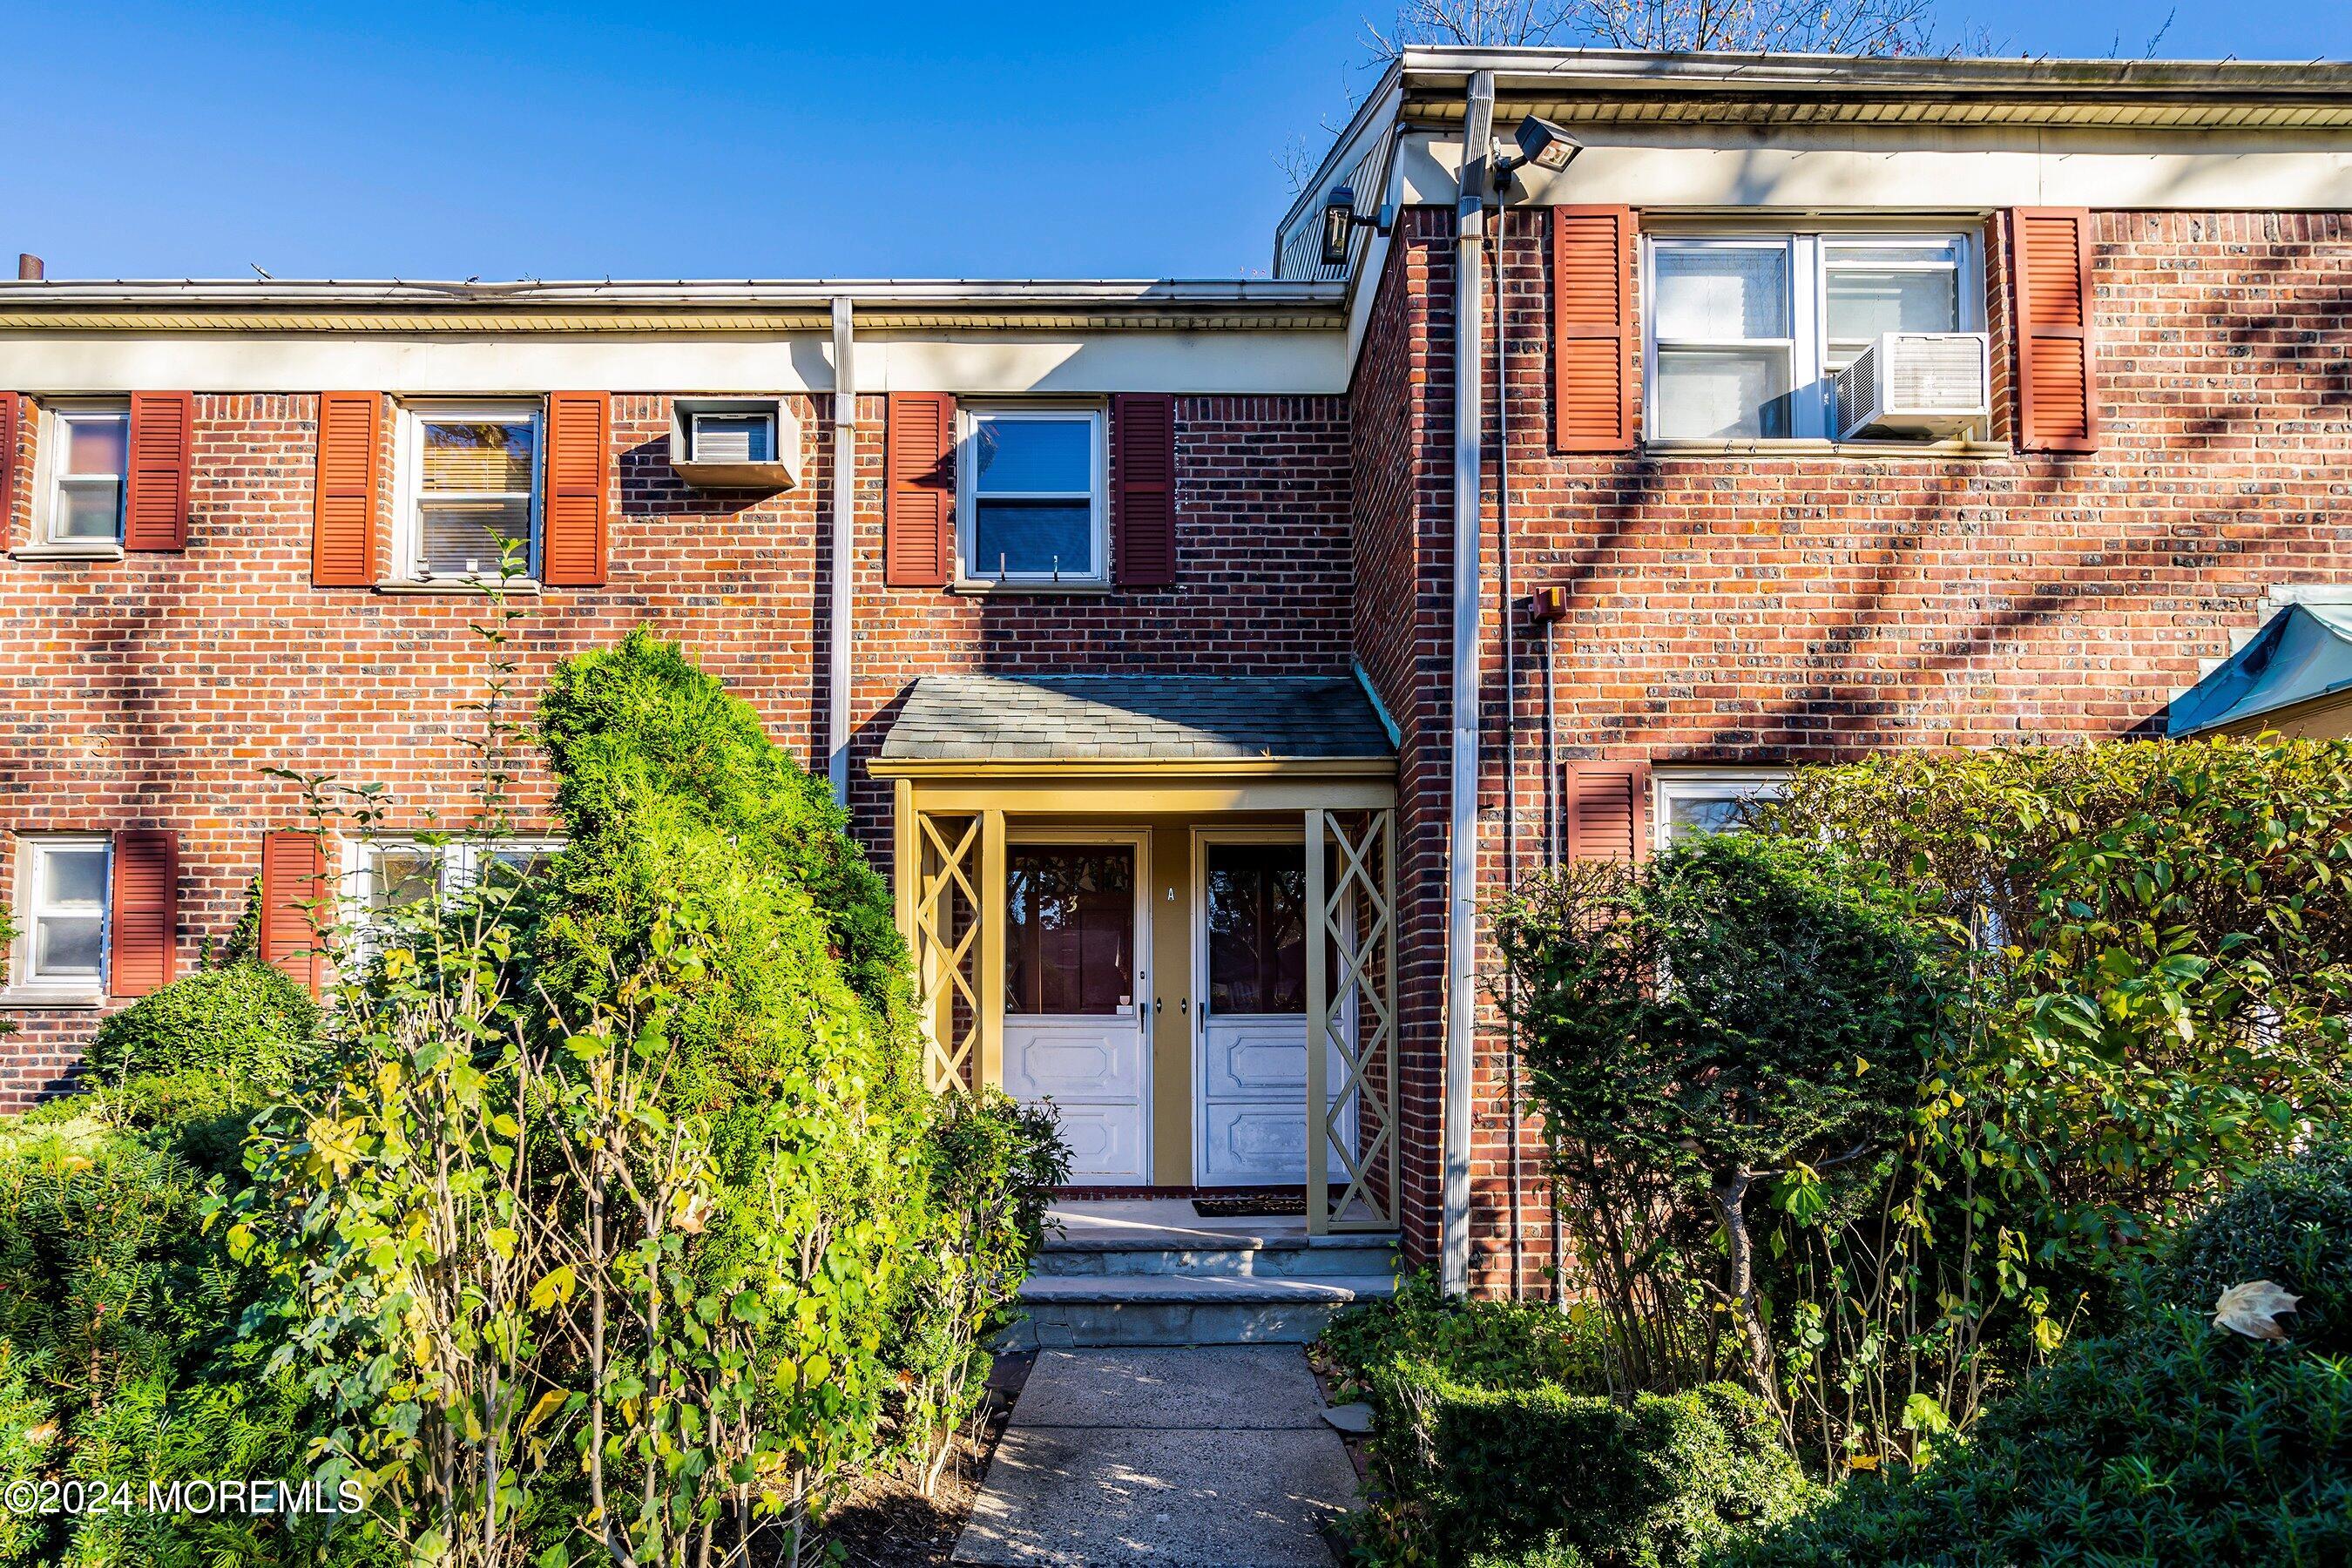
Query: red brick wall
(1786,609)
(152,692)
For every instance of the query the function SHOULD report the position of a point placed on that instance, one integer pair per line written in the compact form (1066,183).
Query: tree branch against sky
(1823,27)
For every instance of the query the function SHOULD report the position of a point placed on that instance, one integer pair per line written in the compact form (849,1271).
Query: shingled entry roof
(1042,717)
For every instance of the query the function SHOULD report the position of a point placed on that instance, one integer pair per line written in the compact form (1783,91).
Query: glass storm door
(1074,1031)
(1251,1032)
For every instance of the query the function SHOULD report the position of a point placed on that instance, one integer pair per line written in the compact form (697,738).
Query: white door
(1251,1018)
(1074,1025)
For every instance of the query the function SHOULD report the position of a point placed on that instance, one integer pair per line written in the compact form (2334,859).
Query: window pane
(67,944)
(1069,929)
(1257,928)
(400,877)
(1023,455)
(1687,815)
(734,439)
(88,508)
(1719,293)
(73,877)
(1862,304)
(98,445)
(460,538)
(478,454)
(1943,251)
(1039,537)
(1707,394)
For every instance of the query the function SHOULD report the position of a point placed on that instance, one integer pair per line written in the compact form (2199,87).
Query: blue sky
(763,140)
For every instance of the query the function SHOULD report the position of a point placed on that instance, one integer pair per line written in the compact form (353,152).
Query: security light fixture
(1541,144)
(1341,220)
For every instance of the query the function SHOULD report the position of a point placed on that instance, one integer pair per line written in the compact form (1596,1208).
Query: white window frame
(1812,379)
(969,418)
(50,478)
(1668,786)
(461,864)
(26,984)
(408,533)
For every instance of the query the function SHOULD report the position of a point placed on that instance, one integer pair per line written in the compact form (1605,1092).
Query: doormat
(1263,1205)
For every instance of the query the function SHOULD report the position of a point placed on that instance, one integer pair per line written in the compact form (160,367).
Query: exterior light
(1546,145)
(1339,221)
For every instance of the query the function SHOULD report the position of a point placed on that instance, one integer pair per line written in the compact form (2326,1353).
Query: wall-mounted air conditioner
(735,443)
(1916,384)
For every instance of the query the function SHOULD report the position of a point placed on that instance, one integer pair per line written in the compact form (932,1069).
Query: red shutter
(573,545)
(293,887)
(918,523)
(1608,810)
(1593,335)
(2057,370)
(146,918)
(162,451)
(344,518)
(11,407)
(1143,489)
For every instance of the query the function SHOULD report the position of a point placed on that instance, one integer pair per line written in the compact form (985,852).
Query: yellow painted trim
(991,915)
(1133,767)
(1085,798)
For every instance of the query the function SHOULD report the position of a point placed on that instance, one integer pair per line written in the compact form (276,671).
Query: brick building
(1844,405)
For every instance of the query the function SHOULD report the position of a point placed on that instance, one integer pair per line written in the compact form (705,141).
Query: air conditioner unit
(735,443)
(1916,384)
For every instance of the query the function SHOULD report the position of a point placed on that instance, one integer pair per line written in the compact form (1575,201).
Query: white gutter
(1462,840)
(1243,295)
(844,555)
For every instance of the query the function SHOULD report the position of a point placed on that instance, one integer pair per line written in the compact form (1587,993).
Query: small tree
(1736,1010)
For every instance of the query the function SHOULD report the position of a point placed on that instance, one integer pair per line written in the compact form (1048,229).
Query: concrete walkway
(1211,1457)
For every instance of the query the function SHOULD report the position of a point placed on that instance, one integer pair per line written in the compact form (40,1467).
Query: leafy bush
(188,1065)
(119,1360)
(1480,1455)
(2290,1223)
(2157,989)
(1741,1010)
(1486,1344)
(2170,1441)
(245,1023)
(626,1219)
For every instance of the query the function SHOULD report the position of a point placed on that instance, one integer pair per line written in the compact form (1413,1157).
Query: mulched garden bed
(885,1521)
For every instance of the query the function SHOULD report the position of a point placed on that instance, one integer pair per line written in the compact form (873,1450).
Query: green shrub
(1537,1469)
(2169,1443)
(120,1361)
(1481,1455)
(245,1022)
(1484,1344)
(2290,1223)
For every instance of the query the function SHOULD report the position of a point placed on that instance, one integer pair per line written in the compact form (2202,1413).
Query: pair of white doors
(1080,999)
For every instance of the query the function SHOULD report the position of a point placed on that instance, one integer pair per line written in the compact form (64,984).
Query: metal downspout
(844,555)
(1462,839)
(1508,605)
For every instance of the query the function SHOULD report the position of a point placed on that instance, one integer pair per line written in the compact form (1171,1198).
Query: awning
(1134,718)
(2302,654)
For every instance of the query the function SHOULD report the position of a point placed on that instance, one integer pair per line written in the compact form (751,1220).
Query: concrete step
(1176,1309)
(1245,1257)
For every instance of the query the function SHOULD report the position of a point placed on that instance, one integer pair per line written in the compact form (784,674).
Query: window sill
(990,586)
(1965,450)
(476,587)
(59,999)
(92,552)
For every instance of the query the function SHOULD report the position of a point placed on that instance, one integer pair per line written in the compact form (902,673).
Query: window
(87,447)
(1748,333)
(62,881)
(1069,929)
(1709,802)
(1031,487)
(734,439)
(383,876)
(470,477)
